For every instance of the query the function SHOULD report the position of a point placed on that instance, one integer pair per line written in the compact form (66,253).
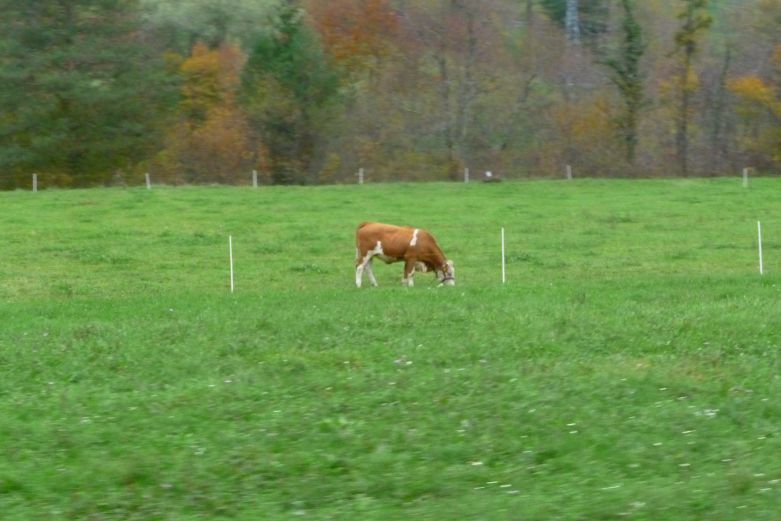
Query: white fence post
(759,237)
(745,178)
(148,181)
(35,182)
(230,256)
(360,176)
(569,172)
(504,273)
(466,175)
(254,179)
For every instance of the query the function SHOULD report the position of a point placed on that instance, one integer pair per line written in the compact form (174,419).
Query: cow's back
(394,239)
(377,231)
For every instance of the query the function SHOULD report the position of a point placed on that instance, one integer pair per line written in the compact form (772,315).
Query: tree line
(97,92)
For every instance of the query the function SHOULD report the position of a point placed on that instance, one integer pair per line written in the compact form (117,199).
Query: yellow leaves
(692,81)
(589,123)
(211,77)
(756,94)
(753,88)
(587,135)
(212,139)
(757,98)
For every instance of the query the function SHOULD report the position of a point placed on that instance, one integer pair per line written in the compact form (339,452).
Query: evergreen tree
(695,19)
(289,89)
(80,91)
(626,76)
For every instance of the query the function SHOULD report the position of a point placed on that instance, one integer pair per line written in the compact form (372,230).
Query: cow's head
(447,274)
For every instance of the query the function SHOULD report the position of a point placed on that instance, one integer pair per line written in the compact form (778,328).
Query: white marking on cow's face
(414,240)
(447,275)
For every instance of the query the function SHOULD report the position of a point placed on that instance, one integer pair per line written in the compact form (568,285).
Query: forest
(99,92)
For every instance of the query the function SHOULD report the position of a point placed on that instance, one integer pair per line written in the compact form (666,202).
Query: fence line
(312,265)
(252,178)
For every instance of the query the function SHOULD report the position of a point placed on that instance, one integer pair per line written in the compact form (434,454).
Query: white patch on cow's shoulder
(414,240)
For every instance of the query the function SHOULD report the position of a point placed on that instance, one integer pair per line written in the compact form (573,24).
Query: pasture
(629,368)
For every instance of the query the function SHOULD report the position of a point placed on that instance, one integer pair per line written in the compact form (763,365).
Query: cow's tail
(358,240)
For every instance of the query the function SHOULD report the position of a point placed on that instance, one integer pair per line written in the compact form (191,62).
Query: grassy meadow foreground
(629,368)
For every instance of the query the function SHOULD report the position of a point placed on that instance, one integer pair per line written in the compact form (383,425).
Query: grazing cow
(416,247)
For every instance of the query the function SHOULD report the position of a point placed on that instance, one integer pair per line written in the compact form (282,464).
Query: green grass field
(629,368)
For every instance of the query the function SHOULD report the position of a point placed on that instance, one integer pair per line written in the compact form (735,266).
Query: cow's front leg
(409,271)
(358,275)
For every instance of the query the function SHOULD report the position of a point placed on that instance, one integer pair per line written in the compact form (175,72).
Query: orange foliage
(210,77)
(355,32)
(219,148)
(211,141)
(587,133)
(592,123)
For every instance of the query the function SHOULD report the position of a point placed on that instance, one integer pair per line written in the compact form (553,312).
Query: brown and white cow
(415,246)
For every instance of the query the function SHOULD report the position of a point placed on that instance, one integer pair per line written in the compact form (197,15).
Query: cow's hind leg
(358,268)
(370,273)
(361,264)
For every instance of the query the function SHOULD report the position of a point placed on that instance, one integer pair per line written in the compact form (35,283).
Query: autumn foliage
(357,33)
(310,91)
(759,107)
(210,141)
